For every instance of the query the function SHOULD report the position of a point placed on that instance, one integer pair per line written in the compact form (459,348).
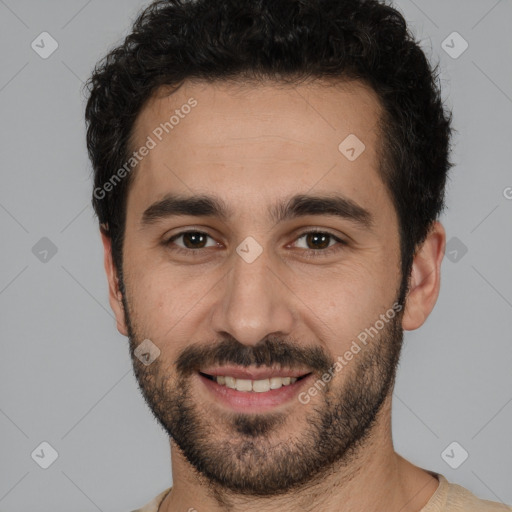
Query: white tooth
(286,381)
(276,382)
(243,385)
(260,386)
(230,382)
(221,380)
(293,379)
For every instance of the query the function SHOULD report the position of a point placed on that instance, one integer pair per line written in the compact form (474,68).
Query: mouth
(250,385)
(256,390)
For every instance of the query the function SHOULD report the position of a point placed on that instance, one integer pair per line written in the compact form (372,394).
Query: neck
(375,478)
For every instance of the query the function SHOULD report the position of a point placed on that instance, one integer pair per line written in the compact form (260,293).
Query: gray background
(65,371)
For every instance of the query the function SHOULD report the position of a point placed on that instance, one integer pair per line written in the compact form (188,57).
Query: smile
(256,390)
(256,386)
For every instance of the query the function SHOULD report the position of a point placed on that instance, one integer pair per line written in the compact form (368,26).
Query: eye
(320,243)
(315,243)
(191,240)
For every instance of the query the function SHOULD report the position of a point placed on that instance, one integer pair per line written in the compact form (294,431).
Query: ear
(425,278)
(114,294)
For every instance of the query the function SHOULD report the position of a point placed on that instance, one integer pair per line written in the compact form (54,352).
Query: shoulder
(451,497)
(153,505)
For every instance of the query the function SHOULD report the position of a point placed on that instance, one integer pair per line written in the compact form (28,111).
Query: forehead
(253,139)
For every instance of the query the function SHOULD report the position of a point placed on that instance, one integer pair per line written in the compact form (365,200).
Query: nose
(254,302)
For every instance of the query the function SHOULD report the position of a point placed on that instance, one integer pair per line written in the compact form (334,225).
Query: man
(268,179)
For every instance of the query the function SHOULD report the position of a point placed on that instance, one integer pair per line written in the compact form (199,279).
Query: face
(254,290)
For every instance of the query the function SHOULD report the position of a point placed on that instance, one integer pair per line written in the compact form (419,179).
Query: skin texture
(254,145)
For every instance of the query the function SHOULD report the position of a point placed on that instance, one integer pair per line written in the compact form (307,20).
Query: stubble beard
(253,454)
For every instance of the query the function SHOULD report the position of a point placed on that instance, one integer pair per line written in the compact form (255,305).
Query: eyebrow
(297,206)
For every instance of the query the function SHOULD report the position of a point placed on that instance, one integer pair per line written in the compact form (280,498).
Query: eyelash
(308,253)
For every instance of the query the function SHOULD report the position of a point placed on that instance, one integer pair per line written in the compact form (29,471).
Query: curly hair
(289,41)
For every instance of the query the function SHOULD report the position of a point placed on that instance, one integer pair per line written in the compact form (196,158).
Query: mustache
(271,352)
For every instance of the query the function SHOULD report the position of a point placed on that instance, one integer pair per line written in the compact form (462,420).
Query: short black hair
(288,41)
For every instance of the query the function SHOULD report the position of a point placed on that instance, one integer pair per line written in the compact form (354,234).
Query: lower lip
(252,401)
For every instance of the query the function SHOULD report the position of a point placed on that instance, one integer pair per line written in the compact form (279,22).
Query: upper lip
(239,372)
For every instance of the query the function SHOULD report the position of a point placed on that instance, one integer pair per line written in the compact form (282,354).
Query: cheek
(164,303)
(342,304)
(148,294)
(351,286)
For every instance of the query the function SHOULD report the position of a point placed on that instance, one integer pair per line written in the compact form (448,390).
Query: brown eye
(194,239)
(191,240)
(319,243)
(318,240)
